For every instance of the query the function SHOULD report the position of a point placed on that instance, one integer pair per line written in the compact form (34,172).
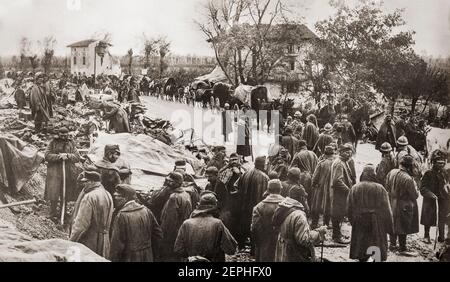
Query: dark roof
(292,32)
(287,32)
(84,43)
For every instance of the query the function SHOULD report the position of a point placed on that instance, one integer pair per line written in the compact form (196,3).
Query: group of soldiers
(274,207)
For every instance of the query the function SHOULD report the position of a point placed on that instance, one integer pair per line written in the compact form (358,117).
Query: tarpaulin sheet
(243,93)
(143,152)
(217,75)
(18,162)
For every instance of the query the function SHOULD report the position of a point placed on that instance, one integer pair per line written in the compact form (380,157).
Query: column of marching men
(280,209)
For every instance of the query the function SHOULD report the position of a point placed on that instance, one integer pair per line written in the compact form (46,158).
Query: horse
(258,95)
(358,118)
(203,96)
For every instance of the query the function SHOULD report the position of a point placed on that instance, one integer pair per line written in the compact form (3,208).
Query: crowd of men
(307,178)
(274,207)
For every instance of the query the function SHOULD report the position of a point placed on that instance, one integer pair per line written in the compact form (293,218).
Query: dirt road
(185,117)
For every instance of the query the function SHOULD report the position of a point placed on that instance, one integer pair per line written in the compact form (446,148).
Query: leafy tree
(248,36)
(150,49)
(364,50)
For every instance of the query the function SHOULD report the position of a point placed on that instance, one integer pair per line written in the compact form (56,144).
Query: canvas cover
(18,162)
(243,93)
(217,75)
(144,154)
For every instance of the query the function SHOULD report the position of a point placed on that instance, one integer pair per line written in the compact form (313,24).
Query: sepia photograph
(225,131)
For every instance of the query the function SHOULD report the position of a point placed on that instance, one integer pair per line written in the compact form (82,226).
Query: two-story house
(91,57)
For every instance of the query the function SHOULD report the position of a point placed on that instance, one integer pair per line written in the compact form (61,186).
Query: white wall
(106,67)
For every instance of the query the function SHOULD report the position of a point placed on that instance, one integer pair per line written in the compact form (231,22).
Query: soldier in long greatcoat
(403,196)
(370,215)
(61,150)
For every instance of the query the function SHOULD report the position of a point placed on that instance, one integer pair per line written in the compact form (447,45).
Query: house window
(291,48)
(101,61)
(84,61)
(292,64)
(74,60)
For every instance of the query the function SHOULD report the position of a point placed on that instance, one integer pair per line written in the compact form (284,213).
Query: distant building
(85,59)
(288,71)
(295,39)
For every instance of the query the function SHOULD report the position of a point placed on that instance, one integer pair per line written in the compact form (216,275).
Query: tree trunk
(236,75)
(160,67)
(392,106)
(413,105)
(253,64)
(240,67)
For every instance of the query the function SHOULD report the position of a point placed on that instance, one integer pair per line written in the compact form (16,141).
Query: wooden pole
(437,226)
(63,204)
(27,202)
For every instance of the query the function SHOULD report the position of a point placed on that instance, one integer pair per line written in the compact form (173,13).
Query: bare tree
(47,46)
(25,51)
(2,70)
(102,35)
(150,49)
(130,60)
(248,36)
(163,49)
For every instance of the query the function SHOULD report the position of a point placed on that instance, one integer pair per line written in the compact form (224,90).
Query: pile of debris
(79,119)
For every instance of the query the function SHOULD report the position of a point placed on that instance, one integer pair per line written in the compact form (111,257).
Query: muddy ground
(32,220)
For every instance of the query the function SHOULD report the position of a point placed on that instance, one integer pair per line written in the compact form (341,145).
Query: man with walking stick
(61,182)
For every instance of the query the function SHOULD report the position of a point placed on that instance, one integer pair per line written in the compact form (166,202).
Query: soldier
(435,190)
(204,235)
(292,188)
(251,187)
(387,163)
(342,180)
(263,233)
(321,189)
(324,140)
(387,133)
(370,214)
(38,104)
(136,234)
(404,149)
(176,210)
(113,170)
(61,151)
(403,197)
(92,215)
(295,241)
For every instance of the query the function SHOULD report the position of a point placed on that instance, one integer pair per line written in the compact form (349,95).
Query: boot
(341,240)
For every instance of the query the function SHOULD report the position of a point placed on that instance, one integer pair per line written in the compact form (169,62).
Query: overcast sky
(128,19)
